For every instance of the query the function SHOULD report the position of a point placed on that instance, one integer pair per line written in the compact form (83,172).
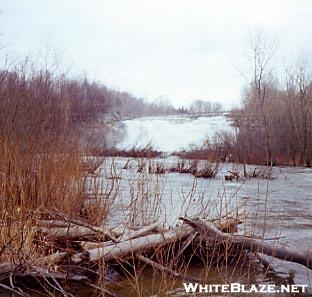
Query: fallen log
(89,245)
(53,223)
(69,233)
(120,230)
(47,261)
(132,246)
(186,243)
(38,272)
(127,234)
(85,225)
(133,243)
(264,262)
(212,233)
(131,234)
(52,259)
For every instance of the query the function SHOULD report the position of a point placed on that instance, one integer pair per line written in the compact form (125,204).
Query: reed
(42,164)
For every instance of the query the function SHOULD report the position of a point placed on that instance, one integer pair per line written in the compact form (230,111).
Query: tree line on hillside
(70,100)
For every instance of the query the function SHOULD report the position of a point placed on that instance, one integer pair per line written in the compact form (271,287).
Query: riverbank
(140,198)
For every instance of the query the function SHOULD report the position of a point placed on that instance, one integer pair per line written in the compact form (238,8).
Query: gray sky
(184,50)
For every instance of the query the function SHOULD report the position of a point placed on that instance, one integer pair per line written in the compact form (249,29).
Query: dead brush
(209,170)
(264,173)
(196,168)
(141,165)
(179,167)
(167,263)
(161,270)
(185,166)
(232,174)
(156,167)
(255,173)
(147,151)
(146,197)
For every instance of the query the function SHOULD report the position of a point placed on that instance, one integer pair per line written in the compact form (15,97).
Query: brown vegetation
(275,120)
(43,163)
(222,148)
(135,152)
(204,169)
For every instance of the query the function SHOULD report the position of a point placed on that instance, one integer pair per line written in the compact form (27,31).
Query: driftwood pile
(75,250)
(256,173)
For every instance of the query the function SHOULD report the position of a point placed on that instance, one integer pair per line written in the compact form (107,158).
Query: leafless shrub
(156,167)
(135,152)
(185,166)
(222,148)
(209,170)
(261,173)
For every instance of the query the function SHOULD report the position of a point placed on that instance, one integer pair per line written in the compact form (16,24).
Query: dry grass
(41,160)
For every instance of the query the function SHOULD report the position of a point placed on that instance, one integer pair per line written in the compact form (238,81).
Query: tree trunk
(250,244)
(129,247)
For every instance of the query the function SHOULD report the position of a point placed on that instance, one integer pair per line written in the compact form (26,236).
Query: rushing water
(172,133)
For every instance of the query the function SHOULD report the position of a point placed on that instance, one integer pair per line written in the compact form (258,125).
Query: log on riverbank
(211,233)
(79,249)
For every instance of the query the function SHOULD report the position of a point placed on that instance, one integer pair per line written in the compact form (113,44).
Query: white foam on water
(172,133)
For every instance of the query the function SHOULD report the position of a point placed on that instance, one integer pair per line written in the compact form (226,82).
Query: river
(278,208)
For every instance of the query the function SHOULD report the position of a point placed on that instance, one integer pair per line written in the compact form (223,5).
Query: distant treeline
(203,107)
(83,100)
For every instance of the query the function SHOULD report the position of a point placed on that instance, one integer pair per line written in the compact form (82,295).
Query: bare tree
(263,52)
(202,106)
(275,121)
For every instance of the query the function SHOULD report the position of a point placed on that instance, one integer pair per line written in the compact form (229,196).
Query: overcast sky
(183,50)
